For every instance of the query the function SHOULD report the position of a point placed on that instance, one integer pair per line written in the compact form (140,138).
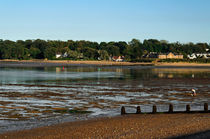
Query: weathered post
(138,110)
(123,110)
(206,107)
(188,108)
(154,109)
(171,108)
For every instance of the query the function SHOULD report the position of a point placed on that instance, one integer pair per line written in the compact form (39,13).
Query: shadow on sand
(200,135)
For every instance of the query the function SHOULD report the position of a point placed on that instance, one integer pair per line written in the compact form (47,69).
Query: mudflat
(128,126)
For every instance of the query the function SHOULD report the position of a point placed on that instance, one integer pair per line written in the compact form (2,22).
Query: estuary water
(39,96)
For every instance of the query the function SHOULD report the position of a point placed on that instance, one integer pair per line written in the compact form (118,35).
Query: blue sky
(106,20)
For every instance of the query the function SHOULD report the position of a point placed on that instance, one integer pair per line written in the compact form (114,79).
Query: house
(59,55)
(151,55)
(192,56)
(169,55)
(65,54)
(199,55)
(118,58)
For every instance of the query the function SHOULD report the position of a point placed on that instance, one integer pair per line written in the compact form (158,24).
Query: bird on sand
(193,92)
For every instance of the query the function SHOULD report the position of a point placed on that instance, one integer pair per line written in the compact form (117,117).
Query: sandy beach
(128,126)
(181,64)
(68,62)
(51,63)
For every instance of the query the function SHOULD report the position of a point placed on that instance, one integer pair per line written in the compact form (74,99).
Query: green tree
(41,45)
(74,55)
(103,55)
(18,52)
(90,53)
(50,52)
(137,49)
(34,52)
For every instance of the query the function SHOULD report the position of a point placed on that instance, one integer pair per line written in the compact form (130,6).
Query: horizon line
(141,40)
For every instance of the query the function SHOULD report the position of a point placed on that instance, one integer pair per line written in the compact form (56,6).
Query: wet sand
(128,126)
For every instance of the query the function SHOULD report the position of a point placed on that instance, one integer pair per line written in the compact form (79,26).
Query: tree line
(87,50)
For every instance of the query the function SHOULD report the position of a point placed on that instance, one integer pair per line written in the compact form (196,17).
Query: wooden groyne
(170,110)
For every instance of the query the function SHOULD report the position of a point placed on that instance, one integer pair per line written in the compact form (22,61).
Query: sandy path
(128,126)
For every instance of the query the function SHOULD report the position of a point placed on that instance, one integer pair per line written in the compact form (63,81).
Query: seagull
(193,92)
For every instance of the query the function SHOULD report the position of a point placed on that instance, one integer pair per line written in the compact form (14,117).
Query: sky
(106,20)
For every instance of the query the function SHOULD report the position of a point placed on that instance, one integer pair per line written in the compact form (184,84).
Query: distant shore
(96,63)
(183,64)
(76,62)
(128,126)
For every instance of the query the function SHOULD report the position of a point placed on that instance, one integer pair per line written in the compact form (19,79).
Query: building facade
(118,58)
(170,55)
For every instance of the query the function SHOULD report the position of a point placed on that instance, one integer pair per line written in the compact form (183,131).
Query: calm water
(31,97)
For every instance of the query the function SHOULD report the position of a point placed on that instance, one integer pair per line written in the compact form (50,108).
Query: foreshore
(128,126)
(96,63)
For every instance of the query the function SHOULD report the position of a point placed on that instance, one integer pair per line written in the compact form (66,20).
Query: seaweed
(72,111)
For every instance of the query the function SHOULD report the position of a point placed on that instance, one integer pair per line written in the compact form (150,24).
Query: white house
(118,58)
(65,54)
(199,55)
(59,55)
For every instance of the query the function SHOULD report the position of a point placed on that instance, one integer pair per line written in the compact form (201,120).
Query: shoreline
(128,126)
(96,63)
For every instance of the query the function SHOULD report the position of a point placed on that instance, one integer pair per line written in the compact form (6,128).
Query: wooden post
(138,110)
(171,108)
(188,108)
(123,110)
(154,109)
(206,107)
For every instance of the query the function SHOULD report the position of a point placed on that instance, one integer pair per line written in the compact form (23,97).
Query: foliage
(77,50)
(50,52)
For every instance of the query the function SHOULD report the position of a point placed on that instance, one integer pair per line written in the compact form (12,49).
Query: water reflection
(182,72)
